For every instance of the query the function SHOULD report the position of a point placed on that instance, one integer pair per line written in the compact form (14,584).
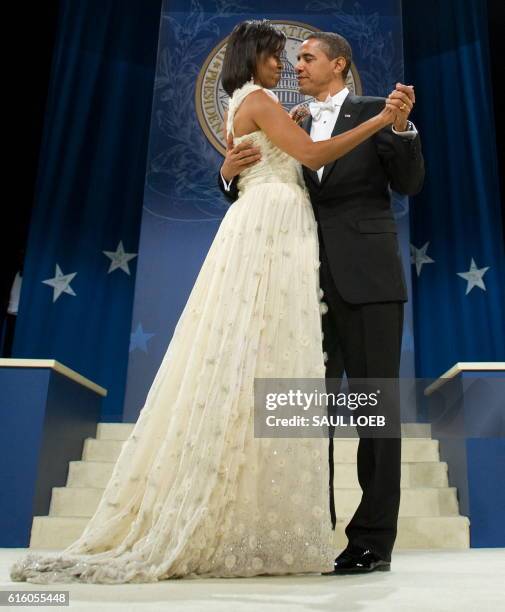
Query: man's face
(316,72)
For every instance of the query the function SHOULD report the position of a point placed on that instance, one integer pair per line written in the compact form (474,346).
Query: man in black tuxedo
(361,272)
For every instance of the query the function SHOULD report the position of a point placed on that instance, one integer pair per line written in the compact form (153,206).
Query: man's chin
(303,90)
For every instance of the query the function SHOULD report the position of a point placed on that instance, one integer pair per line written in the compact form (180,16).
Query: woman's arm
(293,140)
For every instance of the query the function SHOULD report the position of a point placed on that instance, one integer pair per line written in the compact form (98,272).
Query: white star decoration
(474,277)
(119,259)
(419,257)
(60,283)
(139,338)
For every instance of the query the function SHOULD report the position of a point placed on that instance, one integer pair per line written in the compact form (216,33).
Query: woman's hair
(248,41)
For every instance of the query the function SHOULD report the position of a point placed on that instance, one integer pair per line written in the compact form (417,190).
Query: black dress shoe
(358,562)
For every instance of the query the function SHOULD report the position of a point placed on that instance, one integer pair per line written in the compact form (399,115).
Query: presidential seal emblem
(211,100)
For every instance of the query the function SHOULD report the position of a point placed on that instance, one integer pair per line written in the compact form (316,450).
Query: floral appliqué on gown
(193,492)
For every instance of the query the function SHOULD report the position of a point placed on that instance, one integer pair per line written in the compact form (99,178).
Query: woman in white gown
(193,493)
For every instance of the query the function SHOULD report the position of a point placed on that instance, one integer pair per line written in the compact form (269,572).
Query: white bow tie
(316,108)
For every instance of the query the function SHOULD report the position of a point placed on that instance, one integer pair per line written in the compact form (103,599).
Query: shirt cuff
(226,185)
(410,133)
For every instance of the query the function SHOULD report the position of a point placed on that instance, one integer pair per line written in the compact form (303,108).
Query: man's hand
(239,158)
(403,97)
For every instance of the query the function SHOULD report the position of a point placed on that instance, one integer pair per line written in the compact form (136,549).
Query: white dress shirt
(323,127)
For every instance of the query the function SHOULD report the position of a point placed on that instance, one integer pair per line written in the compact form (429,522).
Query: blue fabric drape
(89,191)
(458,211)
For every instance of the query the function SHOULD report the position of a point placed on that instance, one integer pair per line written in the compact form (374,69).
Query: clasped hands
(244,155)
(402,101)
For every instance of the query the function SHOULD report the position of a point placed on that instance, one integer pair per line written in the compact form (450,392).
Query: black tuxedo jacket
(352,206)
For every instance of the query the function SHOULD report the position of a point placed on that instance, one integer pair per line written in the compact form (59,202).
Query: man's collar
(339,97)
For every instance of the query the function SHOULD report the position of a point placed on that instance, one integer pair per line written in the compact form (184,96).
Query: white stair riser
(428,474)
(89,473)
(413,502)
(121,431)
(418,474)
(114,431)
(413,449)
(83,502)
(413,532)
(433,532)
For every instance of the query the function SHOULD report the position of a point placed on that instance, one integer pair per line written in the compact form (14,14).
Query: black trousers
(364,341)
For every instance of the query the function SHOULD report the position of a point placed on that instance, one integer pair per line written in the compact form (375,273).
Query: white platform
(52,364)
(439,581)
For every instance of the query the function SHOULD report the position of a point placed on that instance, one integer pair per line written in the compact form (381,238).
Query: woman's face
(269,70)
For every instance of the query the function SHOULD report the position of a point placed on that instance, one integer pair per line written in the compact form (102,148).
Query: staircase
(429,513)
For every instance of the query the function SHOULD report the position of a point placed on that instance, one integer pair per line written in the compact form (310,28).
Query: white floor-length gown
(193,492)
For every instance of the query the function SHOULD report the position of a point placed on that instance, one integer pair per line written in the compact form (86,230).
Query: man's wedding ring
(403,106)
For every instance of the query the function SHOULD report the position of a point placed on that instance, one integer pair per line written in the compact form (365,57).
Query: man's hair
(334,46)
(248,41)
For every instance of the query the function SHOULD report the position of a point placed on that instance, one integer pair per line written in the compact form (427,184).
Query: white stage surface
(463,580)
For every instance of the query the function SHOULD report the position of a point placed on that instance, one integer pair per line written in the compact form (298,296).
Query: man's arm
(399,147)
(237,160)
(229,190)
(403,161)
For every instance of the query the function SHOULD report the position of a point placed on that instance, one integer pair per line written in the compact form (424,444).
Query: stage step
(413,449)
(121,431)
(437,532)
(429,515)
(417,474)
(83,501)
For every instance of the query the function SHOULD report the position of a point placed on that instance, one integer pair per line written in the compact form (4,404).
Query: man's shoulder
(371,101)
(367,106)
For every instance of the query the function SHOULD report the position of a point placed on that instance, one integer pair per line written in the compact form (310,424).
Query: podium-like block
(467,415)
(47,410)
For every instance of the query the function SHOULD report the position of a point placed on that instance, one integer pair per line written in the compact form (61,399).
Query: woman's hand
(399,104)
(390,111)
(405,94)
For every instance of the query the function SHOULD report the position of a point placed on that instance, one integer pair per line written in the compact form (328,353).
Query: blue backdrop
(459,285)
(182,204)
(76,300)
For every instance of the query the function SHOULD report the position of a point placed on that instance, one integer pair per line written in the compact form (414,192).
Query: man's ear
(339,65)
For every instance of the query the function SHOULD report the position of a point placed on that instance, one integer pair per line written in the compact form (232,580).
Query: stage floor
(467,580)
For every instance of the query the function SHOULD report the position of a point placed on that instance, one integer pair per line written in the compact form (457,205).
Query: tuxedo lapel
(307,124)
(347,119)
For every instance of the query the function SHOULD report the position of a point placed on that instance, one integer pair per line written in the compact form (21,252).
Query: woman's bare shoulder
(261,99)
